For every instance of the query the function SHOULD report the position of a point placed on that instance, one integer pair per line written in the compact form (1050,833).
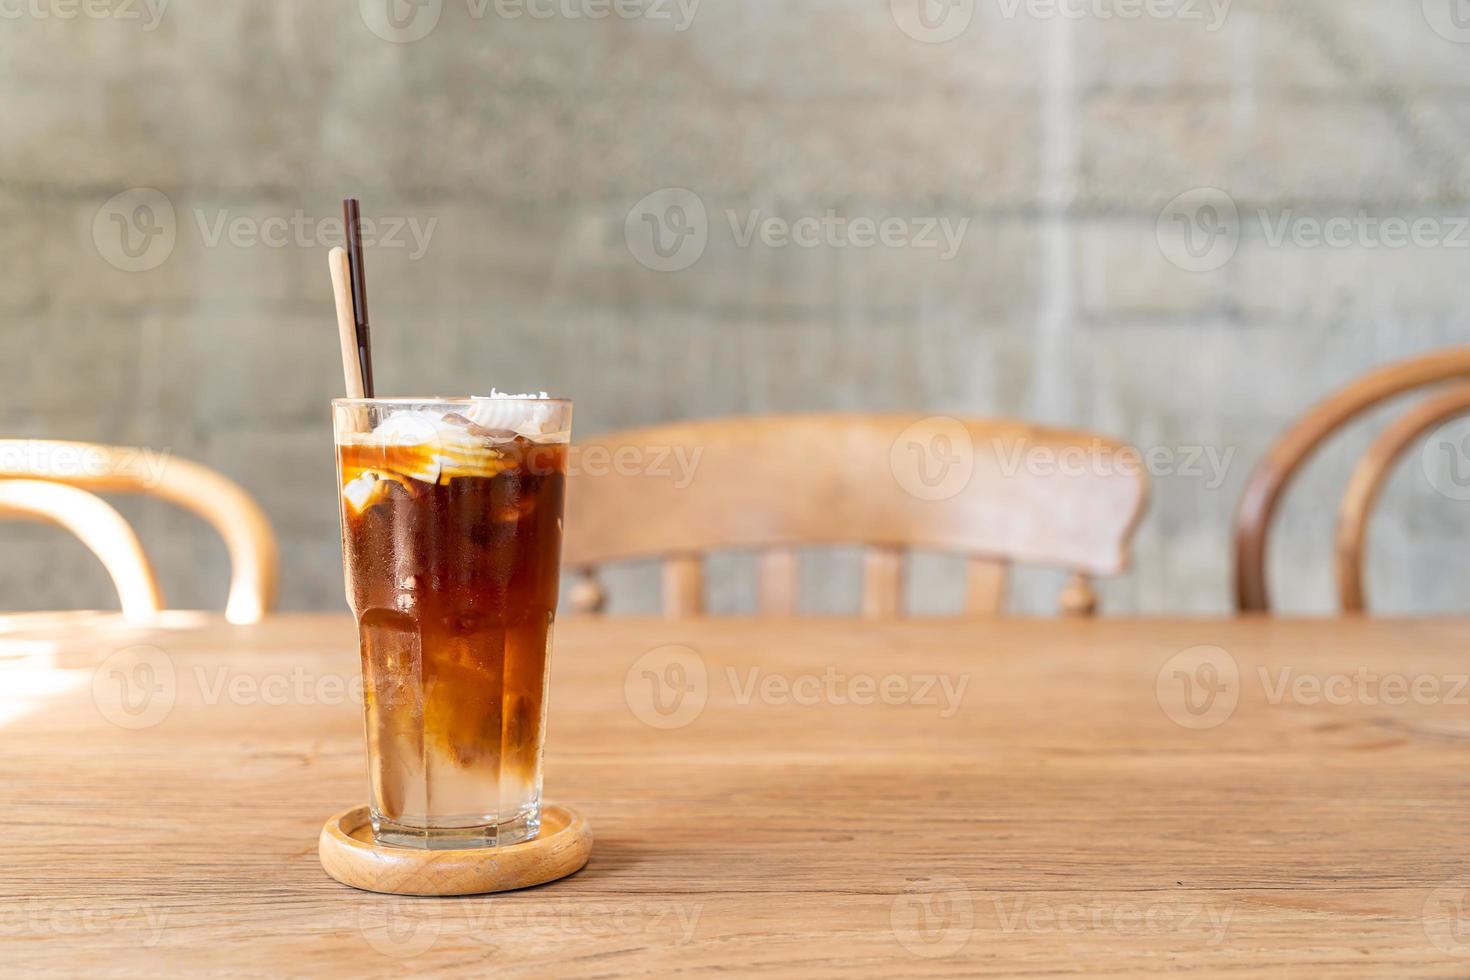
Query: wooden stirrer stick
(346,322)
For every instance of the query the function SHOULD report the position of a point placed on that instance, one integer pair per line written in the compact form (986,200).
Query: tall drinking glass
(451,543)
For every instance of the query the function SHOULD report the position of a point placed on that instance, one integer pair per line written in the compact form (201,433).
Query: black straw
(352,214)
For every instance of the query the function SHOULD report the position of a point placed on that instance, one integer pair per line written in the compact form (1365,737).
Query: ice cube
(363,492)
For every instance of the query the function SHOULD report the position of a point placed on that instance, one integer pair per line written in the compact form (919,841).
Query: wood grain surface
(794,798)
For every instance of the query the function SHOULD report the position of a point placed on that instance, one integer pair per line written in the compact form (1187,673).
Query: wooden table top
(808,797)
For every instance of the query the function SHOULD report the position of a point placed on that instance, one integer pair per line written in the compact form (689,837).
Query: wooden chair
(73,467)
(1291,451)
(980,488)
(100,527)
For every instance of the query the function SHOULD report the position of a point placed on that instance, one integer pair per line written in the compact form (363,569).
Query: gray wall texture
(1179,222)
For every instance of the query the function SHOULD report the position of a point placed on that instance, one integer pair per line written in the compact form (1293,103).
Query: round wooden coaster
(349,854)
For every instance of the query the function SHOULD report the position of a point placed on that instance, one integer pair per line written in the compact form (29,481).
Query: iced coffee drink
(451,536)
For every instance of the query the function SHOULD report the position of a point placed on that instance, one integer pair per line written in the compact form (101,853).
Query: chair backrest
(224,504)
(100,527)
(1291,451)
(995,491)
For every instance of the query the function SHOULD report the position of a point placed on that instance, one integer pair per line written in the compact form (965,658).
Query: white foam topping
(531,416)
(458,439)
(520,413)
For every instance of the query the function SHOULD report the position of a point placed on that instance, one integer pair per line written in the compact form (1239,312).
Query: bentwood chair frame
(1296,446)
(883,481)
(56,481)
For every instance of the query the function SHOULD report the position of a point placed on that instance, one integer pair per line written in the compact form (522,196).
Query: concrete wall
(532,144)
